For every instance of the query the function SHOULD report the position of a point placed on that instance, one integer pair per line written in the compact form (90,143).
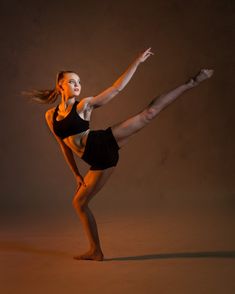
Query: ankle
(191,84)
(95,249)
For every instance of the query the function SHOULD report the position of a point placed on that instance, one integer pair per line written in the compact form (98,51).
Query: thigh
(94,180)
(124,130)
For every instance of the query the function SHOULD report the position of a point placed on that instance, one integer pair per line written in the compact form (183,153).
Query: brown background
(184,158)
(180,167)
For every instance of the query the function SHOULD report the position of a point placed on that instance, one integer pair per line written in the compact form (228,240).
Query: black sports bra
(72,124)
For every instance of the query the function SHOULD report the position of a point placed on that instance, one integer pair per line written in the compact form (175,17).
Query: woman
(69,123)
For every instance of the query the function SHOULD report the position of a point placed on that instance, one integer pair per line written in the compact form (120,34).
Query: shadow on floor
(16,246)
(202,254)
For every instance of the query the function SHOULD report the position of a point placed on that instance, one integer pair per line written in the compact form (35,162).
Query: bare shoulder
(85,105)
(49,113)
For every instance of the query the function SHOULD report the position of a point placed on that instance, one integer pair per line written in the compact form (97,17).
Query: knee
(79,203)
(148,114)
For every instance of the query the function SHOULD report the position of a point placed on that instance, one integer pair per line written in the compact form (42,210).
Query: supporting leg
(94,180)
(90,226)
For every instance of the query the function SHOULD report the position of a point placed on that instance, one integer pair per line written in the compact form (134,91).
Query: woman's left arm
(120,83)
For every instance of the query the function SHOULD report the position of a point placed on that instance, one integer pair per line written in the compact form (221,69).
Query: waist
(77,142)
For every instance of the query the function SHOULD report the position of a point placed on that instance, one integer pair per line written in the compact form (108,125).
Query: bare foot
(90,255)
(201,76)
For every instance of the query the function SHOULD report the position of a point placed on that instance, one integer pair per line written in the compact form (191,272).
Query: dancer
(69,123)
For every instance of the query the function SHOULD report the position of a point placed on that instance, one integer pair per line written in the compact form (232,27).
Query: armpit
(86,110)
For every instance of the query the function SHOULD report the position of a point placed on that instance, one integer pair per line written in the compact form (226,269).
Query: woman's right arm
(67,152)
(105,96)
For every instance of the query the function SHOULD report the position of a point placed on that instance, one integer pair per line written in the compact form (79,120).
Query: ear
(60,86)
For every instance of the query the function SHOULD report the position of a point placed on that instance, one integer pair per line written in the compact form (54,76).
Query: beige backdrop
(184,159)
(170,201)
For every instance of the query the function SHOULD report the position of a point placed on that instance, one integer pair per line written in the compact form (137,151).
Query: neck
(66,102)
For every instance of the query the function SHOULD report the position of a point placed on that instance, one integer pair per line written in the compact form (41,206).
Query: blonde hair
(47,96)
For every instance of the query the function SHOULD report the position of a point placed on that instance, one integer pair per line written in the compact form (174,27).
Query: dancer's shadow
(23,247)
(202,254)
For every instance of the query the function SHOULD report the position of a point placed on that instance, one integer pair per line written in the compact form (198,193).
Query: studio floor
(170,253)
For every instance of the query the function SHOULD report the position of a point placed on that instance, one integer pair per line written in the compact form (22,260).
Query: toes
(89,256)
(207,72)
(211,72)
(83,257)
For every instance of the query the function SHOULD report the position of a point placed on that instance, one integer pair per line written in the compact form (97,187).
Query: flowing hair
(46,96)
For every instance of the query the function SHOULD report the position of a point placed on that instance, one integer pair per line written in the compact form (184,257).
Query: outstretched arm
(120,83)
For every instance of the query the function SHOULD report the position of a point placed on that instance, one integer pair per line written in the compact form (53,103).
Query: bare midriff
(77,142)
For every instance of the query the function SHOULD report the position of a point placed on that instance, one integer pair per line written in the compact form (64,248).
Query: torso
(77,142)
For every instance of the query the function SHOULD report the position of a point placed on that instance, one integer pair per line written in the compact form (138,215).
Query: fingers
(148,51)
(145,54)
(82,182)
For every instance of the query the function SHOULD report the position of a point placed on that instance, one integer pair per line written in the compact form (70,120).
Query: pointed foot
(201,76)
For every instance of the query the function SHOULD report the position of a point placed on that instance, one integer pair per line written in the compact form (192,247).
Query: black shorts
(101,150)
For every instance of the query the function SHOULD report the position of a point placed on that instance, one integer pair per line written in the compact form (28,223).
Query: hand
(144,55)
(80,181)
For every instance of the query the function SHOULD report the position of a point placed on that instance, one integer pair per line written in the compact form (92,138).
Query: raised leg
(94,180)
(124,130)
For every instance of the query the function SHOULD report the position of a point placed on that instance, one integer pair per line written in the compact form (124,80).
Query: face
(70,84)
